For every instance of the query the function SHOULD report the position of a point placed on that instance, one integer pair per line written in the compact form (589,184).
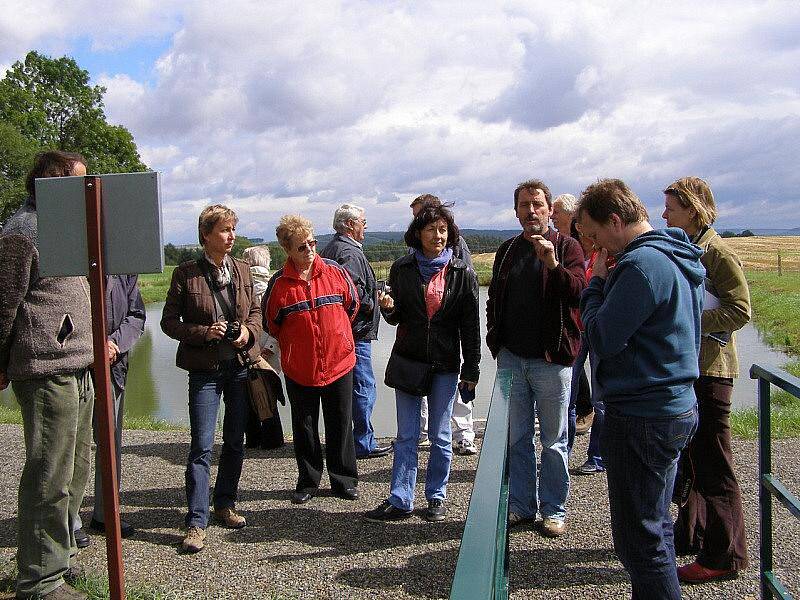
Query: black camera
(233,329)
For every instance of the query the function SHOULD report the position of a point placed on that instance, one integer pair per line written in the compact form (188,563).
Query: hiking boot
(584,423)
(589,468)
(697,573)
(65,592)
(228,517)
(74,573)
(515,519)
(194,540)
(465,448)
(553,527)
(387,511)
(436,510)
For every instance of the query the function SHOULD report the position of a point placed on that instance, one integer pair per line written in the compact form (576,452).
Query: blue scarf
(428,267)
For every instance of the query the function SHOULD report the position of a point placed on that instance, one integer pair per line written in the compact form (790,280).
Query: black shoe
(436,510)
(378,452)
(301,497)
(346,494)
(126,529)
(387,512)
(82,539)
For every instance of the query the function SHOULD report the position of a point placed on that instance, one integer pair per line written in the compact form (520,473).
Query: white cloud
(279,106)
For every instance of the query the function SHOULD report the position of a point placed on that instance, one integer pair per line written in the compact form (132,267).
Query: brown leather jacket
(189,312)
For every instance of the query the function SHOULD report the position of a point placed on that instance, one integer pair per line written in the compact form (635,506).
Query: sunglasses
(307,245)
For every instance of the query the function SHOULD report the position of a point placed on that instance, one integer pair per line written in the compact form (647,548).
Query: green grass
(94,586)
(11,415)
(776,313)
(154,286)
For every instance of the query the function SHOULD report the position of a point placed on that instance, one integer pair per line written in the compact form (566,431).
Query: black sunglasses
(307,245)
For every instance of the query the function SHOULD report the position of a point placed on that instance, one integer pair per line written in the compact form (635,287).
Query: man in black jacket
(125,317)
(537,280)
(345,248)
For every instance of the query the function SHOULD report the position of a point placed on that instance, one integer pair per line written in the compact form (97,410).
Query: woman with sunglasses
(711,523)
(309,307)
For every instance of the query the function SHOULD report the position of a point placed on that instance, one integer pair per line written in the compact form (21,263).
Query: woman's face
(221,238)
(434,238)
(301,250)
(676,215)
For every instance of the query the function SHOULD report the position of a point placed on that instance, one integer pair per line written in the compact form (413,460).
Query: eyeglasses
(307,245)
(361,220)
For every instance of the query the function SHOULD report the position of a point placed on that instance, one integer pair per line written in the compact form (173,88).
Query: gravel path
(324,549)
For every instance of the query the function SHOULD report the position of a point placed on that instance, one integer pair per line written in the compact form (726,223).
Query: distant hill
(379,237)
(756,231)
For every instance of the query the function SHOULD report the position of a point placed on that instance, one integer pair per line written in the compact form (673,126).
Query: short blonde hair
(212,215)
(257,256)
(569,203)
(693,192)
(290,226)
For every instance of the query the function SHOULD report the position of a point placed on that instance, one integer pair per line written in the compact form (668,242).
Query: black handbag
(411,376)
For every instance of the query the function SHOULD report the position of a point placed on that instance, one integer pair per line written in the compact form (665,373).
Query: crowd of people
(652,311)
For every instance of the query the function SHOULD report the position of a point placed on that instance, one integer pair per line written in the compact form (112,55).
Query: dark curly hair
(430,213)
(52,163)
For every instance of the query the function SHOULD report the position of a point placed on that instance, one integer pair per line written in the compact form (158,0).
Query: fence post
(779,264)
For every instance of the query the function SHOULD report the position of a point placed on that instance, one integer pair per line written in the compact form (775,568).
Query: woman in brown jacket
(212,311)
(711,524)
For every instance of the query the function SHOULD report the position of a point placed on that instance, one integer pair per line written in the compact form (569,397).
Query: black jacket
(454,329)
(350,255)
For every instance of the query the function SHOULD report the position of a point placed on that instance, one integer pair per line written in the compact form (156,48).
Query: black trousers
(337,413)
(712,521)
(583,403)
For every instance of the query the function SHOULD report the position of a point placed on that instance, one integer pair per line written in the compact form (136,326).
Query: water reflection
(157,389)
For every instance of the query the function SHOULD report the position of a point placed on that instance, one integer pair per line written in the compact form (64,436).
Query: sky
(278,107)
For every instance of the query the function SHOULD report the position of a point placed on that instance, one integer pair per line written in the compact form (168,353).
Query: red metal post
(104,406)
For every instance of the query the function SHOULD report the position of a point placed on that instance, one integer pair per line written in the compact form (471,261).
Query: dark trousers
(337,402)
(712,522)
(641,457)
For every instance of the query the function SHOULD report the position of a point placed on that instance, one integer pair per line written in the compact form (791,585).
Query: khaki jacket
(189,312)
(724,270)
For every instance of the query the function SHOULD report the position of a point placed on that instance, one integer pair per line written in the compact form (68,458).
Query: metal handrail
(482,568)
(768,484)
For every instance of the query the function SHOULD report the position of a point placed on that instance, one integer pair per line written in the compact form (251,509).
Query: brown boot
(229,518)
(584,423)
(195,540)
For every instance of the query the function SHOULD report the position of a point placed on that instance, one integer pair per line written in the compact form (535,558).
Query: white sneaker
(424,443)
(465,448)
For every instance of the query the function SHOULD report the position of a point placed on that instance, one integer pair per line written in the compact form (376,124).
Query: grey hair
(345,213)
(568,202)
(257,256)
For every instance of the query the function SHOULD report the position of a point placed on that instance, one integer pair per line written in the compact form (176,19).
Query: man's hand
(242,339)
(3,380)
(600,269)
(385,300)
(113,351)
(545,251)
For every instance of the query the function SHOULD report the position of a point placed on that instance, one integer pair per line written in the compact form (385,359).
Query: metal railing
(769,485)
(482,568)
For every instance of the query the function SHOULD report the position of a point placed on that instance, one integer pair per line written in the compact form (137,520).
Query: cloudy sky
(275,107)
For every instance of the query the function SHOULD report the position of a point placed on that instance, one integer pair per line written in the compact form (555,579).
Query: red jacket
(312,321)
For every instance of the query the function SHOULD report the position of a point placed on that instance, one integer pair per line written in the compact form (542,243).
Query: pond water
(158,389)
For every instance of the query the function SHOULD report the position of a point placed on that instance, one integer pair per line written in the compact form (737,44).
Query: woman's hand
(216,331)
(600,266)
(385,300)
(241,341)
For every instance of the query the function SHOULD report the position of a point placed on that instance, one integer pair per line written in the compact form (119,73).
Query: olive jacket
(726,281)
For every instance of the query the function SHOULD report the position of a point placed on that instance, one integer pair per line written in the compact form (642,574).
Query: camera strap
(230,314)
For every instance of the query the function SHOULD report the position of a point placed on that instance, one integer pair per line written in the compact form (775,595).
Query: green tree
(47,103)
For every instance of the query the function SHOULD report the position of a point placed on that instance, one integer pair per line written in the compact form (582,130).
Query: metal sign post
(102,378)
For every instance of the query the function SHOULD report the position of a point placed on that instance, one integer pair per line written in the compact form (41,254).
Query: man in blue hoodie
(642,322)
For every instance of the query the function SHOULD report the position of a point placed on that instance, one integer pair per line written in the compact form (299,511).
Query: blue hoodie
(643,325)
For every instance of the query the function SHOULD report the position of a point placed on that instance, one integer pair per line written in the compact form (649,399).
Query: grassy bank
(154,286)
(776,313)
(11,415)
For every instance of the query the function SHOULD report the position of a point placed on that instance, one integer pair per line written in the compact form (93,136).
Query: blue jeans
(593,451)
(537,387)
(404,468)
(364,393)
(205,390)
(641,457)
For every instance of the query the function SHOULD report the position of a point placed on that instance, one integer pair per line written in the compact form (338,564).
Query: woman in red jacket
(309,307)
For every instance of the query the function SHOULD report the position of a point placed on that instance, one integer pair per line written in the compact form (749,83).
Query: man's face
(358,227)
(603,235)
(533,211)
(561,218)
